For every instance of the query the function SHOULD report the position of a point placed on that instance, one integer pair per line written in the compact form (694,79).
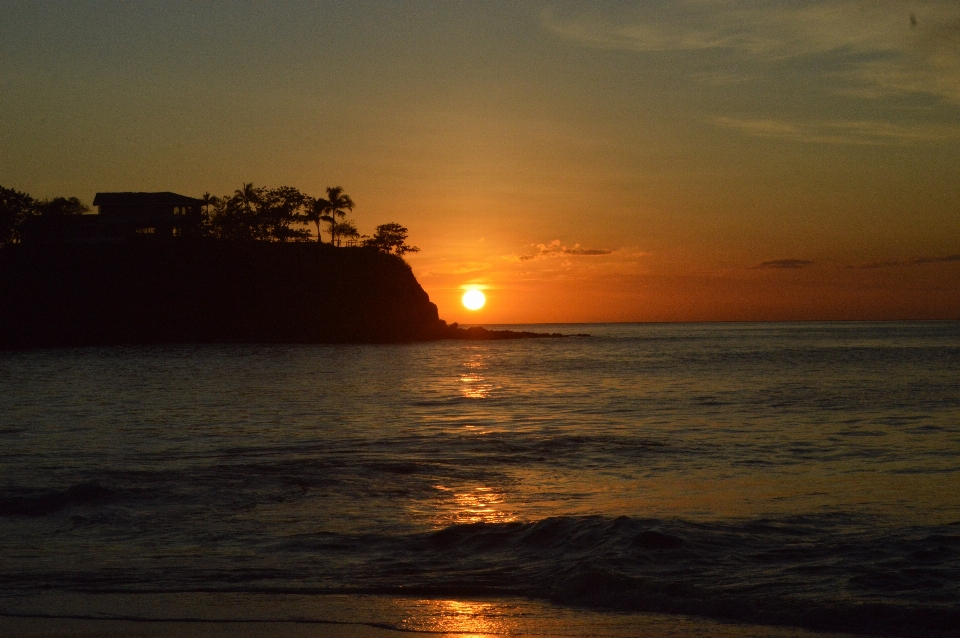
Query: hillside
(210,291)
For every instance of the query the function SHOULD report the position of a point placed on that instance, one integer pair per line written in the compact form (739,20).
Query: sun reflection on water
(479,505)
(473,385)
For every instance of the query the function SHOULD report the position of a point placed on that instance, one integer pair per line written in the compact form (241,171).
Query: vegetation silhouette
(243,268)
(335,205)
(255,214)
(22,216)
(391,238)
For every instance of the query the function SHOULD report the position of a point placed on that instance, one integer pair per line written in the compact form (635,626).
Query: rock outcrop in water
(213,291)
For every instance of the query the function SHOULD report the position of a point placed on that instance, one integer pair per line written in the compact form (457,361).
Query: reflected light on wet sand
(463,618)
(339,616)
(467,618)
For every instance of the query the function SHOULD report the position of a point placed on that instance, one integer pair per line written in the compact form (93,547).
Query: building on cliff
(126,215)
(121,217)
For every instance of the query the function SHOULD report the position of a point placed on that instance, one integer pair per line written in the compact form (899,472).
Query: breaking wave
(813,572)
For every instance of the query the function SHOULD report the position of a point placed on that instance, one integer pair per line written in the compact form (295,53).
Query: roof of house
(128,199)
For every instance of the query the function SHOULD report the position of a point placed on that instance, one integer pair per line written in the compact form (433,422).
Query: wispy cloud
(456,268)
(786,264)
(912,262)
(935,260)
(856,132)
(878,48)
(556,249)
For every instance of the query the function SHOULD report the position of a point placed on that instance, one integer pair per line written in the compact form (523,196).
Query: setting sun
(474,300)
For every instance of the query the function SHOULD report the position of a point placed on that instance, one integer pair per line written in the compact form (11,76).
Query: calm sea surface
(803,475)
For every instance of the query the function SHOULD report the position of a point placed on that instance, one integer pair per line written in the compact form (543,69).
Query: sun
(474,300)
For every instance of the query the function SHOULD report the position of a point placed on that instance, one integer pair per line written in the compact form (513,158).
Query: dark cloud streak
(935,260)
(913,262)
(784,264)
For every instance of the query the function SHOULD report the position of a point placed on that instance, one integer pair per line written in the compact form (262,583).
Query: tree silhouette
(208,201)
(335,205)
(247,196)
(259,214)
(61,207)
(233,217)
(391,238)
(15,209)
(198,223)
(314,213)
(22,217)
(347,230)
(277,210)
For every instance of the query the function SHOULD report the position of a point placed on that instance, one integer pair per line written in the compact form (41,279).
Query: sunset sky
(651,161)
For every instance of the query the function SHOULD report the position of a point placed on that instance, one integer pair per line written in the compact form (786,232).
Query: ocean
(650,479)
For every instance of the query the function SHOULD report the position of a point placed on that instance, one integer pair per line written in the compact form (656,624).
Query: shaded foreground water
(786,475)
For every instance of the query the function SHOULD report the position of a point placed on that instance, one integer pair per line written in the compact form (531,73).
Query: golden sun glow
(474,300)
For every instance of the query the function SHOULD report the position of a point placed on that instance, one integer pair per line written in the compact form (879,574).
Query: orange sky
(650,161)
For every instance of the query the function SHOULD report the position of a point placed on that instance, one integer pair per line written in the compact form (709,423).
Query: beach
(349,616)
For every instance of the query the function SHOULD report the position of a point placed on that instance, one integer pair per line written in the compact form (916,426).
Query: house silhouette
(127,215)
(121,217)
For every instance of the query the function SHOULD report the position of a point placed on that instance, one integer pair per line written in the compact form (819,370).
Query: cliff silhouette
(206,291)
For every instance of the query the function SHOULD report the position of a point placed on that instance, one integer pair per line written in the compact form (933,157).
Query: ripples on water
(801,474)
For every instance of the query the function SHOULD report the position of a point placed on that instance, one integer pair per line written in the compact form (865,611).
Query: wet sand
(74,628)
(296,616)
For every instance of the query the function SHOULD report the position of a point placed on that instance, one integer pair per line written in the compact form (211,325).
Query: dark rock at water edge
(212,291)
(479,333)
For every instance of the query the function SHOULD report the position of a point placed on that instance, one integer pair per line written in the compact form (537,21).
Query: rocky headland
(208,291)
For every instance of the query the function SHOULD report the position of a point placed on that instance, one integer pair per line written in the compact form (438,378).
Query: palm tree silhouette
(314,213)
(248,195)
(335,205)
(206,201)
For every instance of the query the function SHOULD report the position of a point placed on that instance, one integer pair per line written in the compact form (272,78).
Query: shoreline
(451,333)
(354,616)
